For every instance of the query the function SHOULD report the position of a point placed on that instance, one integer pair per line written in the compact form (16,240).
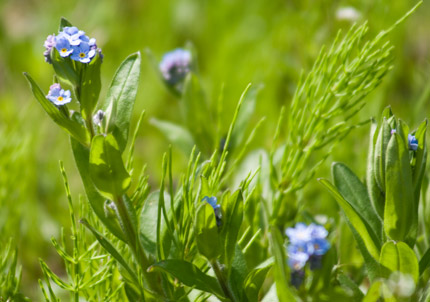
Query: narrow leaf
(190,275)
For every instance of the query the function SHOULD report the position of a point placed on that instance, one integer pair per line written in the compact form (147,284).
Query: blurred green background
(237,42)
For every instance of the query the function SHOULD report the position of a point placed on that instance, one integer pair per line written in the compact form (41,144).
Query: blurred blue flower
(307,244)
(299,234)
(217,208)
(412,142)
(212,201)
(175,65)
(63,46)
(58,96)
(83,53)
(297,260)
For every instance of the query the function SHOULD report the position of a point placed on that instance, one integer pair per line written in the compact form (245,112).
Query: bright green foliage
(139,243)
(107,168)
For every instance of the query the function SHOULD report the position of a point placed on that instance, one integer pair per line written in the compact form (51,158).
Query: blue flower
(299,234)
(74,35)
(297,261)
(317,231)
(58,96)
(217,208)
(412,142)
(49,43)
(83,53)
(212,201)
(63,46)
(175,65)
(320,246)
(307,244)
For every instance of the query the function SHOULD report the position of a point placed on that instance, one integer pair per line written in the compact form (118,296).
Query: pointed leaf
(400,210)
(353,190)
(190,275)
(232,216)
(368,249)
(255,279)
(176,134)
(121,97)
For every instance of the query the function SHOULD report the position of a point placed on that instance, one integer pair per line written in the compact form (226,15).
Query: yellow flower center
(64,50)
(60,99)
(82,55)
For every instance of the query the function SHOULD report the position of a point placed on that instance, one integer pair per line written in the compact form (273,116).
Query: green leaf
(420,159)
(190,275)
(280,272)
(355,193)
(121,97)
(75,129)
(425,261)
(107,168)
(237,274)
(206,232)
(111,250)
(400,210)
(64,68)
(384,136)
(350,285)
(245,114)
(375,194)
(147,224)
(64,23)
(82,158)
(196,114)
(255,279)
(176,134)
(374,292)
(359,228)
(232,217)
(90,86)
(398,256)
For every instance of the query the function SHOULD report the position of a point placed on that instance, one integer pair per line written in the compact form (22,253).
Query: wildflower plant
(199,236)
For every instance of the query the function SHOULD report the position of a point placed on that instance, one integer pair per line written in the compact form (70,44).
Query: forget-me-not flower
(307,244)
(63,46)
(412,142)
(83,53)
(58,96)
(217,208)
(175,65)
(72,42)
(49,43)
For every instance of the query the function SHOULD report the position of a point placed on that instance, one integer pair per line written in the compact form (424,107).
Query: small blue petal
(412,142)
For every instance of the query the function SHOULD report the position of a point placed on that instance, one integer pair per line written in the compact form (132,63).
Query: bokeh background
(237,42)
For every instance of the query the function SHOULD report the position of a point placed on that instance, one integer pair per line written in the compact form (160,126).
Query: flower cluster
(175,66)
(58,96)
(73,43)
(217,208)
(307,244)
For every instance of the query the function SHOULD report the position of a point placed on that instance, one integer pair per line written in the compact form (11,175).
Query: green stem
(135,246)
(219,275)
